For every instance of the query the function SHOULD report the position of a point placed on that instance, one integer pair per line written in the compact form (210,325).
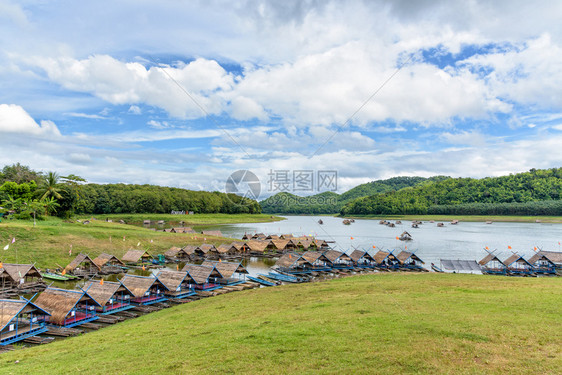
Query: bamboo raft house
(279,245)
(241,247)
(318,261)
(67,308)
(137,257)
(111,296)
(19,320)
(176,254)
(339,260)
(386,260)
(542,264)
(257,247)
(518,266)
(293,263)
(190,251)
(227,251)
(410,261)
(82,266)
(205,277)
(21,278)
(362,259)
(109,264)
(146,290)
(492,265)
(554,256)
(178,283)
(227,270)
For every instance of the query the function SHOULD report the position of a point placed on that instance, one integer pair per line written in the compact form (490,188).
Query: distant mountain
(332,203)
(537,192)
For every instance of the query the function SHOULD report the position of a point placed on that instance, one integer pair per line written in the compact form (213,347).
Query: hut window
(11,328)
(34,319)
(147,293)
(91,308)
(157,291)
(111,300)
(72,313)
(127,296)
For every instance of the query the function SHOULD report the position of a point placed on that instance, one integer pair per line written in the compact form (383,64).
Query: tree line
(537,192)
(26,193)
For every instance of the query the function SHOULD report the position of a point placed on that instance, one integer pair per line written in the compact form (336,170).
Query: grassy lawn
(48,243)
(199,219)
(382,323)
(515,219)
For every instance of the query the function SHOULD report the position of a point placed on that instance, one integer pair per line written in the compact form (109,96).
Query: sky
(185,93)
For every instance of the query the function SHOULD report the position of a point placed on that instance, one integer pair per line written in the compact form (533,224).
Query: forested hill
(332,203)
(537,192)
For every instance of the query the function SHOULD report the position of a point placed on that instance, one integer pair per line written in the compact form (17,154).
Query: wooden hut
(67,308)
(279,245)
(293,263)
(137,257)
(554,256)
(518,266)
(205,277)
(272,237)
(386,260)
(108,264)
(176,253)
(111,296)
(362,259)
(190,250)
(227,271)
(215,233)
(19,320)
(338,259)
(542,264)
(225,251)
(492,265)
(146,289)
(20,276)
(257,247)
(178,283)
(318,260)
(410,261)
(241,247)
(82,266)
(206,248)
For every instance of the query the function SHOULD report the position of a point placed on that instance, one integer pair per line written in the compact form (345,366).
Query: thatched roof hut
(554,256)
(257,247)
(17,320)
(279,244)
(227,269)
(142,286)
(82,265)
(491,258)
(105,259)
(136,256)
(227,250)
(316,257)
(361,257)
(176,253)
(62,305)
(202,274)
(516,264)
(216,233)
(110,295)
(385,259)
(240,246)
(272,237)
(409,260)
(491,264)
(335,257)
(175,280)
(205,248)
(293,261)
(189,250)
(13,273)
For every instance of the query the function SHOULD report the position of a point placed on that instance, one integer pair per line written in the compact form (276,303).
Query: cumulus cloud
(135,110)
(14,119)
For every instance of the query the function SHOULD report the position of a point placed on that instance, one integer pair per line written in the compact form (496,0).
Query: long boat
(54,276)
(260,281)
(280,277)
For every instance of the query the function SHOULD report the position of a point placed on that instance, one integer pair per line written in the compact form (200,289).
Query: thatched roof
(133,256)
(216,233)
(539,256)
(226,269)
(205,248)
(313,256)
(201,274)
(554,256)
(356,255)
(290,260)
(403,256)
(174,252)
(280,244)
(257,246)
(59,302)
(103,293)
(189,249)
(286,236)
(238,245)
(139,285)
(13,307)
(20,271)
(488,258)
(272,237)
(80,258)
(515,258)
(223,249)
(173,279)
(380,256)
(334,255)
(104,258)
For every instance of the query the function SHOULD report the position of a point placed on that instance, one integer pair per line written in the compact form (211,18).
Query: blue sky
(185,94)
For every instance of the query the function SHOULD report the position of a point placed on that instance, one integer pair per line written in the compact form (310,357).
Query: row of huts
(541,263)
(22,318)
(330,260)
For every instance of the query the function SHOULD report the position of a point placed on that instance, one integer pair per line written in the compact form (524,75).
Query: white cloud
(14,119)
(86,115)
(135,110)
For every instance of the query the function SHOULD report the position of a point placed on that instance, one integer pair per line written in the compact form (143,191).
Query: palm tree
(48,187)
(50,205)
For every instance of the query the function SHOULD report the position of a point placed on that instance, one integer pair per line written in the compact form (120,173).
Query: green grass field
(199,219)
(448,218)
(380,323)
(48,243)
